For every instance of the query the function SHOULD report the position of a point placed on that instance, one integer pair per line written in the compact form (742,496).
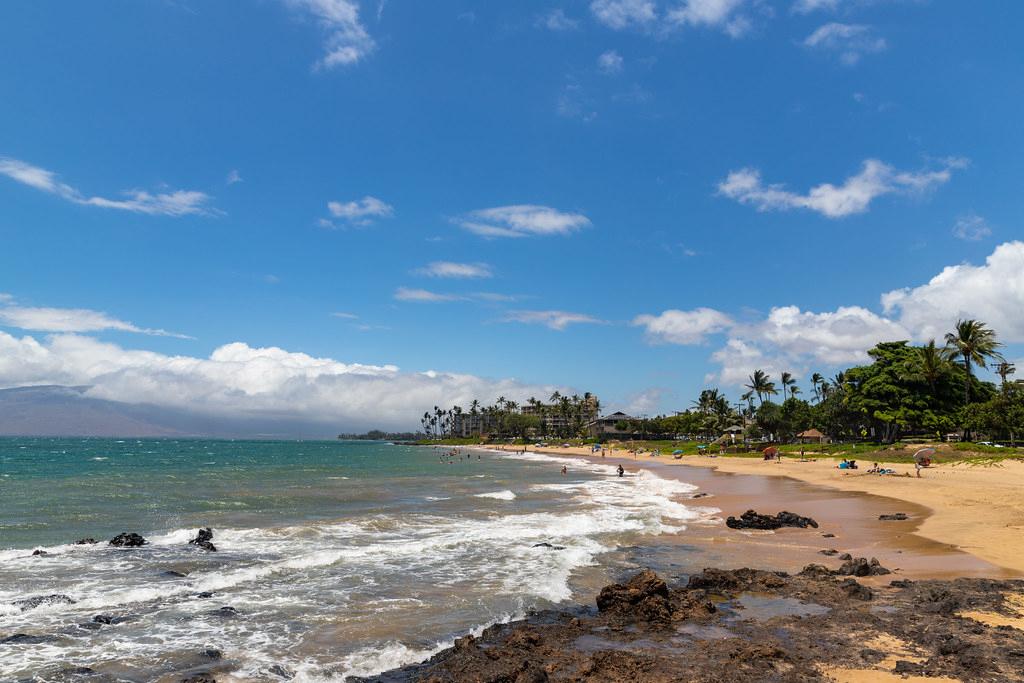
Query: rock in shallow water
(33,602)
(204,539)
(128,540)
(754,520)
(862,567)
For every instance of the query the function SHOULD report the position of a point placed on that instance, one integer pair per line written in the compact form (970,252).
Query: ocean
(335,559)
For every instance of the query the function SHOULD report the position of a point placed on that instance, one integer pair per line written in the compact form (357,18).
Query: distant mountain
(67,411)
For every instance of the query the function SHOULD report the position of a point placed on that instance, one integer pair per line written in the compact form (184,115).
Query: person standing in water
(565,470)
(621,470)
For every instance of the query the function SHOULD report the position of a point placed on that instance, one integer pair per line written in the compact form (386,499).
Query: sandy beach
(977,509)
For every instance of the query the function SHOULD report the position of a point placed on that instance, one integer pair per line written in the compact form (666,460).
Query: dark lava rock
(199,678)
(645,595)
(862,567)
(901,583)
(701,495)
(830,552)
(816,571)
(175,573)
(25,639)
(212,653)
(204,539)
(127,540)
(753,520)
(545,544)
(225,611)
(86,541)
(32,603)
(732,580)
(204,595)
(39,552)
(846,556)
(856,590)
(532,674)
(898,517)
(281,672)
(904,667)
(828,535)
(104,619)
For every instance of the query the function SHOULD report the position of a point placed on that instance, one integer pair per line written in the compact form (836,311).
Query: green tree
(974,343)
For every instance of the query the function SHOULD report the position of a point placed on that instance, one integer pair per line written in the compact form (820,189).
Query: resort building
(609,425)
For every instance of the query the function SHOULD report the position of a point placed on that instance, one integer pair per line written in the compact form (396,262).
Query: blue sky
(631,197)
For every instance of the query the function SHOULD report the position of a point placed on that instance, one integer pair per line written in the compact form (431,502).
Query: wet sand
(851,515)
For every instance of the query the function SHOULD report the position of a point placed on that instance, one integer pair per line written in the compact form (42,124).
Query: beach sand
(957,511)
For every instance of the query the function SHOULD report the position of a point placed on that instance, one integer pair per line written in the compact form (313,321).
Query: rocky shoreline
(748,625)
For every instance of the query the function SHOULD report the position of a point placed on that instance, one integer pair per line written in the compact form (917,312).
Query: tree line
(562,416)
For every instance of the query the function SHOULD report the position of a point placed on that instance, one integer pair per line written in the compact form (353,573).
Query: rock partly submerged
(754,520)
(128,540)
(204,540)
(647,630)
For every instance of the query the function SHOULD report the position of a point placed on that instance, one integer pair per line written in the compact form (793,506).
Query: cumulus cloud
(808,6)
(610,62)
(971,228)
(170,203)
(233,177)
(993,293)
(522,220)
(849,42)
(360,212)
(238,380)
(722,14)
(726,15)
(557,20)
(347,40)
(69,320)
(854,196)
(620,14)
(556,320)
(790,338)
(450,269)
(683,327)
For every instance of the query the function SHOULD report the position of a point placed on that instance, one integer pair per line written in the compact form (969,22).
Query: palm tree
(760,384)
(786,380)
(974,343)
(793,391)
(930,364)
(1004,370)
(817,379)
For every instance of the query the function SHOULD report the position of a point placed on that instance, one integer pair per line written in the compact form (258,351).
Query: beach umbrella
(924,454)
(771,451)
(676,452)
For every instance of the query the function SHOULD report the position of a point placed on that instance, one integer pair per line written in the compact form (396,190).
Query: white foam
(497,495)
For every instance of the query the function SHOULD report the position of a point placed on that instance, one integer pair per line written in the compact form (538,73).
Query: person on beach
(622,470)
(565,470)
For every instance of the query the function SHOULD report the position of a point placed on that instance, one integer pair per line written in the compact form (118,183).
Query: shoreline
(964,521)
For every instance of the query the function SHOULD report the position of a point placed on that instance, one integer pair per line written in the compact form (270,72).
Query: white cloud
(683,327)
(522,220)
(238,380)
(610,62)
(233,177)
(726,15)
(831,337)
(347,40)
(422,295)
(620,14)
(360,212)
(172,203)
(808,6)
(855,195)
(644,402)
(992,293)
(69,320)
(711,13)
(344,316)
(557,20)
(849,41)
(971,228)
(556,320)
(796,340)
(450,269)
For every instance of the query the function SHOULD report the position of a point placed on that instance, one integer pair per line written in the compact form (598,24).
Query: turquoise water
(338,558)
